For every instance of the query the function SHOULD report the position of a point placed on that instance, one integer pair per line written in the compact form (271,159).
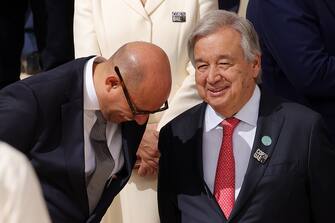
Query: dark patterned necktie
(104,162)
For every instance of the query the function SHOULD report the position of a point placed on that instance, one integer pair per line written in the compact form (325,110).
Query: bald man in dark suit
(51,118)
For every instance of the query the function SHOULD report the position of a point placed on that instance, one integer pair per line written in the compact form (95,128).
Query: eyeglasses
(132,106)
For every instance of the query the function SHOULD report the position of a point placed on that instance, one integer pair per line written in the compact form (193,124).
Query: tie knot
(100,117)
(229,125)
(98,131)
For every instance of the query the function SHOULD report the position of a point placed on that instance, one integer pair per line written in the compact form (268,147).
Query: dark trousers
(53,27)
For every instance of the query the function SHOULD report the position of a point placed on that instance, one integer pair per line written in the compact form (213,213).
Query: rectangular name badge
(178,16)
(261,156)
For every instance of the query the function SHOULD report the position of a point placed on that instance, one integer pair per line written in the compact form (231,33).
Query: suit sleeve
(167,197)
(321,171)
(293,36)
(187,95)
(18,116)
(85,37)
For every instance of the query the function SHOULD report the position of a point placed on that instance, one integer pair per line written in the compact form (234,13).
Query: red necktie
(224,186)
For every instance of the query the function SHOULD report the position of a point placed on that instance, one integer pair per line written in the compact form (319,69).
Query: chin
(218,104)
(216,101)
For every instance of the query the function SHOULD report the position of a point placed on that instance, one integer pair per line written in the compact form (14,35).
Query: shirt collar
(247,114)
(90,97)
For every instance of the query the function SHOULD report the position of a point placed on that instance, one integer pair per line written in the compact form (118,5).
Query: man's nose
(213,75)
(141,119)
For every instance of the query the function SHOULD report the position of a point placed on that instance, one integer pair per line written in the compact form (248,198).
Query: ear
(256,65)
(111,82)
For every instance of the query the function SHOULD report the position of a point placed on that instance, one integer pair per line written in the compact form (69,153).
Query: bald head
(138,61)
(146,73)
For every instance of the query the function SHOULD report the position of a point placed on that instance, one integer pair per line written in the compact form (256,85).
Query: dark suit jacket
(230,5)
(53,29)
(295,184)
(298,47)
(43,117)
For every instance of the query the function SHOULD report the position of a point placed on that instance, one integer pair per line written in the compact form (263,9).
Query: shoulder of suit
(189,117)
(68,73)
(298,112)
(271,103)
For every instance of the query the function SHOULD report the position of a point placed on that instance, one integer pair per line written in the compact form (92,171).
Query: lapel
(131,137)
(269,123)
(147,10)
(72,137)
(72,118)
(137,6)
(152,5)
(196,131)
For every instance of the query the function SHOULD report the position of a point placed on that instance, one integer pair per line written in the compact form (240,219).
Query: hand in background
(148,154)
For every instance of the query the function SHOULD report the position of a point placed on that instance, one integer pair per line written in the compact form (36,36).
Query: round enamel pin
(266,140)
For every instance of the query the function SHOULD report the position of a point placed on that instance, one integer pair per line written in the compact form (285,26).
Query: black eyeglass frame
(132,106)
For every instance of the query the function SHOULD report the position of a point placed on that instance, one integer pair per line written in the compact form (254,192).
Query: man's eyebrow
(198,60)
(223,56)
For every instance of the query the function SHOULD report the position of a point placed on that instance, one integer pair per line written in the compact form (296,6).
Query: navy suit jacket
(230,5)
(43,117)
(295,184)
(298,47)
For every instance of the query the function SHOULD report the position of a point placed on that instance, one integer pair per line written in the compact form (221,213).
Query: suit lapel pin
(266,140)
(178,16)
(261,156)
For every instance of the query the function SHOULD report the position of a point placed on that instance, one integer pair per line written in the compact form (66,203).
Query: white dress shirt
(21,197)
(243,139)
(113,131)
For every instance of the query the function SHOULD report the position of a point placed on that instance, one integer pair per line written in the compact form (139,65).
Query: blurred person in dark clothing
(53,22)
(298,60)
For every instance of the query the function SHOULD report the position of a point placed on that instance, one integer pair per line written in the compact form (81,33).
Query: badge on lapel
(178,16)
(261,156)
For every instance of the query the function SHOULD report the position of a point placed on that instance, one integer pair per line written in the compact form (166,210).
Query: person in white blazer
(100,28)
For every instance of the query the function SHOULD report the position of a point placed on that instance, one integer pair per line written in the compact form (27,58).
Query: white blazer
(102,26)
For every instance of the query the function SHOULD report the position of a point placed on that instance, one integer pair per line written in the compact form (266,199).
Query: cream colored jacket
(102,26)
